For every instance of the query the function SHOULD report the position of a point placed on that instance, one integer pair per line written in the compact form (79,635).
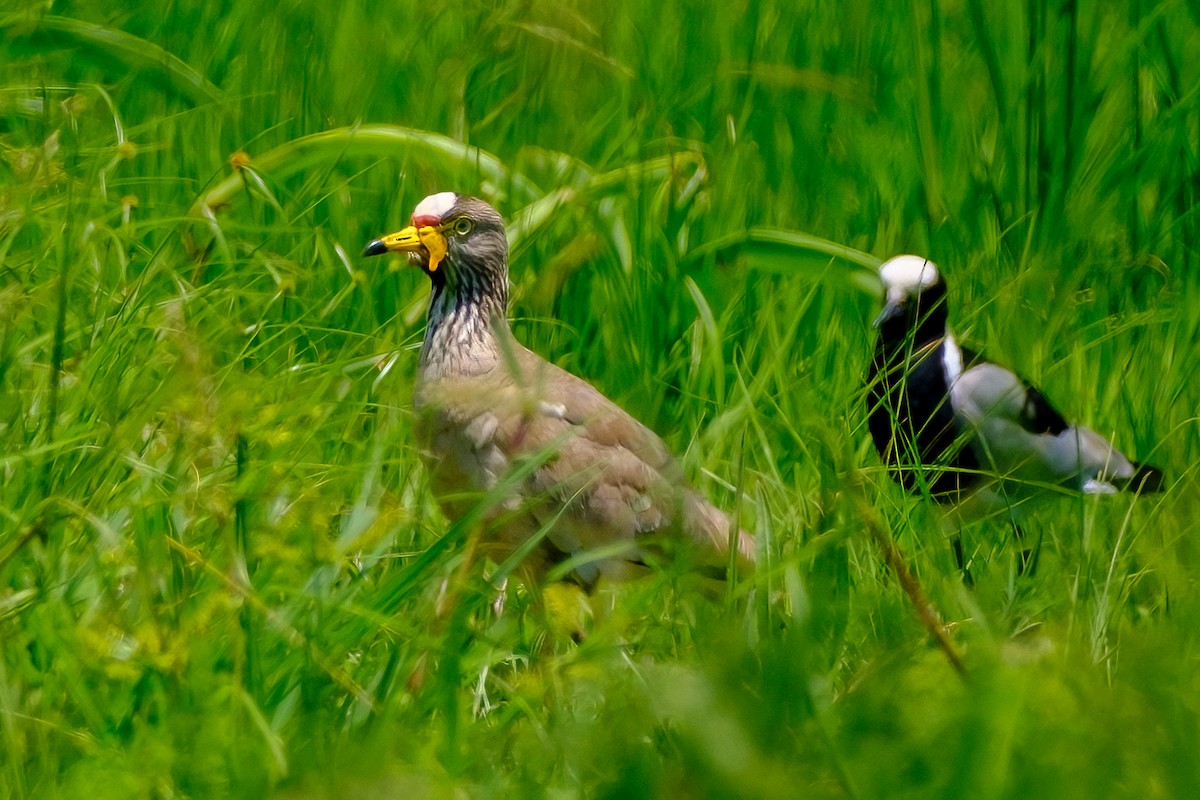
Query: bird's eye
(462,226)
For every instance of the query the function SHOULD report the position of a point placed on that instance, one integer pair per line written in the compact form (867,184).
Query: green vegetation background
(219,567)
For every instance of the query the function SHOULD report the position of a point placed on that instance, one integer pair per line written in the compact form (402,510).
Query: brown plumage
(602,481)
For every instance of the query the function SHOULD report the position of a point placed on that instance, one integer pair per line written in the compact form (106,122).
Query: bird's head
(915,292)
(452,237)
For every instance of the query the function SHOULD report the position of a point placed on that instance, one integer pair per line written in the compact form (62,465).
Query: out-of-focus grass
(219,565)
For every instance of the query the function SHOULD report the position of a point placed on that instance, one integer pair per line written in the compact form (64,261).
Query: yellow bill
(411,240)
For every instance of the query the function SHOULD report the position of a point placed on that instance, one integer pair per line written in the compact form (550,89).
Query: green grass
(219,564)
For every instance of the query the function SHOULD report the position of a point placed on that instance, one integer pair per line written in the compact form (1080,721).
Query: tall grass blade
(104,43)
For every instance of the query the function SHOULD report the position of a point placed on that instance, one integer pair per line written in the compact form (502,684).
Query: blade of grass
(133,52)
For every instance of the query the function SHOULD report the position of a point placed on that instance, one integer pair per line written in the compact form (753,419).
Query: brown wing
(607,480)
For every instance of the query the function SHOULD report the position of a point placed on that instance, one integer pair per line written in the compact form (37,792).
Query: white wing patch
(436,205)
(1093,486)
(953,360)
(481,431)
(555,410)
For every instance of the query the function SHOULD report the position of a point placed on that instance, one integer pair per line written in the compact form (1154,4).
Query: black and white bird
(971,434)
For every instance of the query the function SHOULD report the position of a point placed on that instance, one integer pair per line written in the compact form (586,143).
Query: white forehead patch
(436,205)
(907,275)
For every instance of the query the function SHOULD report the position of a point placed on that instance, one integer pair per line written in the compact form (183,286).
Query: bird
(596,485)
(970,433)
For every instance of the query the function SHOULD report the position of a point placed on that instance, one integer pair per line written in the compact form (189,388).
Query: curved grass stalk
(532,217)
(116,45)
(364,140)
(392,140)
(791,252)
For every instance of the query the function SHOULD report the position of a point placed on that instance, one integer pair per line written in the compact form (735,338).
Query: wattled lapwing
(969,433)
(487,407)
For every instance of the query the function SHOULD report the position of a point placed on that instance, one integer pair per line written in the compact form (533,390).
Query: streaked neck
(463,328)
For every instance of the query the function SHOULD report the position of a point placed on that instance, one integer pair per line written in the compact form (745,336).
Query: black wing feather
(1037,415)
